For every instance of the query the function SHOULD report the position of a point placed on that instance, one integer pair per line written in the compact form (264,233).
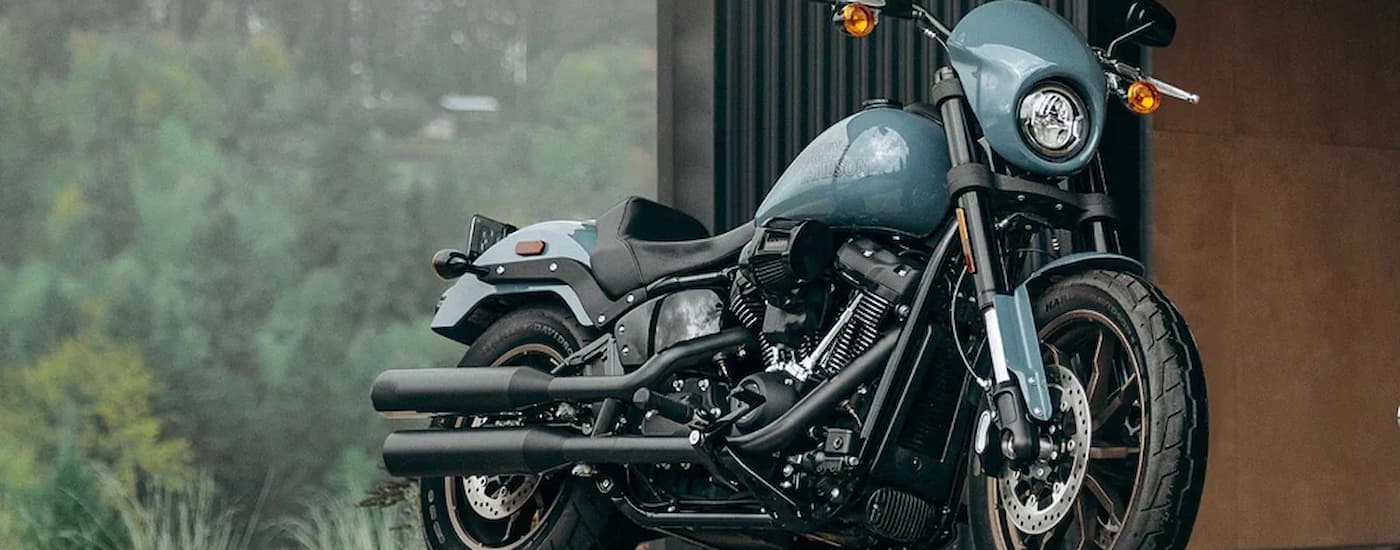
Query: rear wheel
(1129,426)
(552,511)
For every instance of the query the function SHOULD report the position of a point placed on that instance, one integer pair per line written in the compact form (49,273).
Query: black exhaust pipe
(433,453)
(481,390)
(811,408)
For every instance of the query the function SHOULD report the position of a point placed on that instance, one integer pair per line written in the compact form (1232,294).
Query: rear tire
(573,516)
(1164,471)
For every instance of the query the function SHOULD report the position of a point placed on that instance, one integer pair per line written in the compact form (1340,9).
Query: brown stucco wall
(1276,228)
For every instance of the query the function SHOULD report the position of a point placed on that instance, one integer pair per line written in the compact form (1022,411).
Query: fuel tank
(882,169)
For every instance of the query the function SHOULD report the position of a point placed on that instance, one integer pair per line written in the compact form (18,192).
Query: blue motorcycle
(927,337)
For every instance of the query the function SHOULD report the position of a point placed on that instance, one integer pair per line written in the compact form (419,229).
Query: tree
(96,395)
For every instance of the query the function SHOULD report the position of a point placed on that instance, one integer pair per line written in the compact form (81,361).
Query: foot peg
(669,408)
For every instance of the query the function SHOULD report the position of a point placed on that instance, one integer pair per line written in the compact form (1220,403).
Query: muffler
(433,453)
(482,390)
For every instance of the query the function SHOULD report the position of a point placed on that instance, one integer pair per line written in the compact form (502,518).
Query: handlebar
(1120,69)
(1115,69)
(1172,91)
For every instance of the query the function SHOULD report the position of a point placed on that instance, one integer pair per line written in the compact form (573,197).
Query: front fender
(1082,261)
(1019,336)
(566,240)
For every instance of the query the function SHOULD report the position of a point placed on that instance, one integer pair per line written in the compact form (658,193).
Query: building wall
(783,73)
(1276,228)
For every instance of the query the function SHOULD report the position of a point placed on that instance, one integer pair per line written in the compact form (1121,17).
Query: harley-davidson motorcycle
(927,337)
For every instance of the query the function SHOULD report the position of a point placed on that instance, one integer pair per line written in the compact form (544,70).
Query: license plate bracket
(482,232)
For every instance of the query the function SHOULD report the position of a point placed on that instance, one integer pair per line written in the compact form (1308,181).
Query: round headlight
(1053,120)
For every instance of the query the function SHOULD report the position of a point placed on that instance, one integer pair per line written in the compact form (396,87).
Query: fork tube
(986,274)
(974,216)
(1019,438)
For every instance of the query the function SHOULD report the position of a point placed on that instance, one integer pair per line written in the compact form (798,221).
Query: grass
(179,517)
(341,524)
(186,516)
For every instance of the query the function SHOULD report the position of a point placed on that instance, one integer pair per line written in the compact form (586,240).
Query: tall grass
(338,524)
(178,517)
(193,516)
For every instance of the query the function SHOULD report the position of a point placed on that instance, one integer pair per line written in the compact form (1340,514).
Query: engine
(794,275)
(817,300)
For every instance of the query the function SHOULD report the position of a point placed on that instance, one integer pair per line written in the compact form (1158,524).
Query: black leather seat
(640,241)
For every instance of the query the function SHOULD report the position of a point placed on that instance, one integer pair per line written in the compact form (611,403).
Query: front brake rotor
(1036,497)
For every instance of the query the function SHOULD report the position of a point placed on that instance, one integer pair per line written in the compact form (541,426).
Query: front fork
(1018,393)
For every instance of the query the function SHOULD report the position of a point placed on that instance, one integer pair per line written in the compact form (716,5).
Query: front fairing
(1004,49)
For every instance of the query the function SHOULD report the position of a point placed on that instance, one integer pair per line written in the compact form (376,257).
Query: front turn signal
(1143,98)
(857,20)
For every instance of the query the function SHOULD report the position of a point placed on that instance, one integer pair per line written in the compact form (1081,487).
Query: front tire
(554,511)
(1140,483)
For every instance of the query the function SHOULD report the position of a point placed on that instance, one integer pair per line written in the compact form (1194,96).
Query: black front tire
(577,518)
(1167,478)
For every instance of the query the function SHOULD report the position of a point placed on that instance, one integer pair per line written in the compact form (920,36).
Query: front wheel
(1130,426)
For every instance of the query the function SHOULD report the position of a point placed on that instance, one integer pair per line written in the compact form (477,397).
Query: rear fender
(460,312)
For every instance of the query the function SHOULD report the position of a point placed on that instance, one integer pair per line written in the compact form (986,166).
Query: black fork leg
(1018,440)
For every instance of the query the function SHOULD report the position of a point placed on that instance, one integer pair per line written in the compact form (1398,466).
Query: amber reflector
(966,242)
(529,248)
(1143,98)
(857,20)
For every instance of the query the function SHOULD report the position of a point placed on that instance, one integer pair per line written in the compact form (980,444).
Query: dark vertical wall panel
(784,73)
(686,106)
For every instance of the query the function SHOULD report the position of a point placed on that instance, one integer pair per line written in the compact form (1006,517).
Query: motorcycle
(927,337)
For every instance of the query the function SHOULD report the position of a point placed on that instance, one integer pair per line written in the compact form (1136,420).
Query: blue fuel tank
(881,169)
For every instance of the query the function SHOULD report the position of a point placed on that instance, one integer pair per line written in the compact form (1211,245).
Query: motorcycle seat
(641,241)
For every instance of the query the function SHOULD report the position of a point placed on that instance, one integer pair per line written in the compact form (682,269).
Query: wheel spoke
(1111,453)
(1081,521)
(1043,540)
(1101,492)
(1055,353)
(1104,352)
(1116,402)
(510,524)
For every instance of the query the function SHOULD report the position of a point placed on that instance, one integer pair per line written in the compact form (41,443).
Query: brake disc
(497,497)
(1035,498)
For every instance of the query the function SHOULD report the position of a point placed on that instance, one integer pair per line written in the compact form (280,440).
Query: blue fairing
(881,169)
(1001,51)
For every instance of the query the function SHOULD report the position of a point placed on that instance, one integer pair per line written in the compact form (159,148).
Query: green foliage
(214,221)
(66,509)
(94,397)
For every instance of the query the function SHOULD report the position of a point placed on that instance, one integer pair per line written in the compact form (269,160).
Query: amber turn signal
(857,20)
(1143,98)
(450,264)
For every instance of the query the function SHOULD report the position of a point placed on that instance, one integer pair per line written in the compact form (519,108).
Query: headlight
(1053,120)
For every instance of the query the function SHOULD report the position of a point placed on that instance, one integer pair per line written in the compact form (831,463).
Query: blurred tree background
(215,219)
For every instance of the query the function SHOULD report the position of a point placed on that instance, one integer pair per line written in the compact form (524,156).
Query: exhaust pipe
(495,451)
(482,390)
(810,409)
(434,453)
